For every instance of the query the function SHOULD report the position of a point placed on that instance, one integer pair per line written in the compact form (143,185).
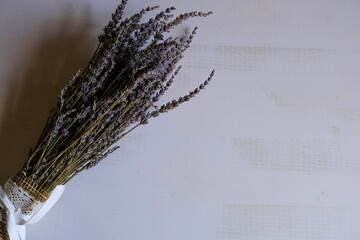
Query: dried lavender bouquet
(132,67)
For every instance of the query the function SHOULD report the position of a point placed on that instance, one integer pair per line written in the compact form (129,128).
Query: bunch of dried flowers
(132,67)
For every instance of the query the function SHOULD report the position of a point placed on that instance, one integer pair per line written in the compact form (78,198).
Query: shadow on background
(65,45)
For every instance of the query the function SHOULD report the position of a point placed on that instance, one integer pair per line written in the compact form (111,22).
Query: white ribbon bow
(16,221)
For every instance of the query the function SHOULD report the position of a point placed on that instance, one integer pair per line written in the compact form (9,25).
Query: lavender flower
(132,67)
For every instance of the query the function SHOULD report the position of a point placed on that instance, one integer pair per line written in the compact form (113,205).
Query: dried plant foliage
(132,67)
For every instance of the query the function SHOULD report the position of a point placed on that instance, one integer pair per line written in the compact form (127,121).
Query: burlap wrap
(24,195)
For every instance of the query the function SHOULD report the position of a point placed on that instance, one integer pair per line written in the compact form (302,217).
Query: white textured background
(271,149)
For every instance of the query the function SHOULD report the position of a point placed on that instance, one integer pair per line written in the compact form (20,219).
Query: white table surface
(271,149)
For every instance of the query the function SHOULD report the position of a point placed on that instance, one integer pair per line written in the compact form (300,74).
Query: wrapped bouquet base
(23,202)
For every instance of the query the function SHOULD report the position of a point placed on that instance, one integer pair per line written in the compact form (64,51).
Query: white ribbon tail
(16,221)
(16,232)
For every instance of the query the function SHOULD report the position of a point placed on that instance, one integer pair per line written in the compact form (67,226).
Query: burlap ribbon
(21,203)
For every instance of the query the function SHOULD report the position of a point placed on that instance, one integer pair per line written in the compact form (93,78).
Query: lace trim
(23,195)
(34,190)
(21,199)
